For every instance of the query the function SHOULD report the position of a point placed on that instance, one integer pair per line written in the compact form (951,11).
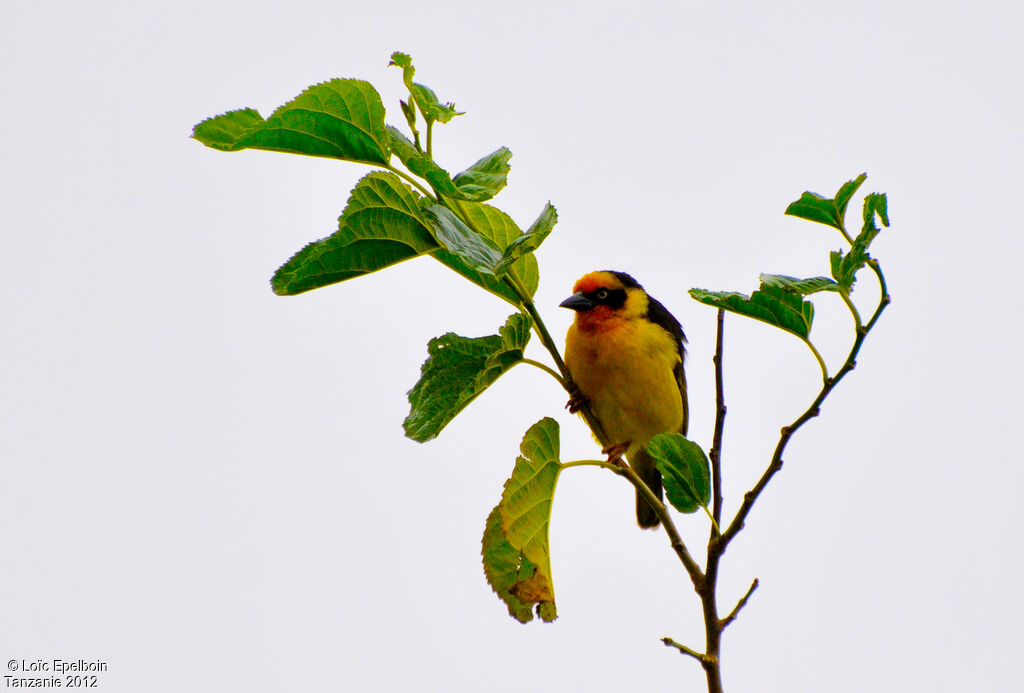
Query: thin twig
(716,444)
(751,496)
(683,649)
(739,605)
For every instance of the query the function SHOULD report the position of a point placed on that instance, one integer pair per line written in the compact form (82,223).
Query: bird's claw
(615,453)
(576,400)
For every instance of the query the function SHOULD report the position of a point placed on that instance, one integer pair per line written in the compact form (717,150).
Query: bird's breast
(626,372)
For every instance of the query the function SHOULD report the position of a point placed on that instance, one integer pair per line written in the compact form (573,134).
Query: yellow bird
(625,353)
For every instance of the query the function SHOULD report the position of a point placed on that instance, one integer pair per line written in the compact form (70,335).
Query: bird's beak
(577,302)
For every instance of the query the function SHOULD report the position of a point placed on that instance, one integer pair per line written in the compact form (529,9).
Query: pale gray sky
(206,486)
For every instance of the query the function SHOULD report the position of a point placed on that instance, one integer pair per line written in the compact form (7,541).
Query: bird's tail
(643,465)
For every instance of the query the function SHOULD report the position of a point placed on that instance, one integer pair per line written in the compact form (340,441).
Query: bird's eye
(601,294)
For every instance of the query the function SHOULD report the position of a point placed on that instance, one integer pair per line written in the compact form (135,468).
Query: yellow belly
(628,376)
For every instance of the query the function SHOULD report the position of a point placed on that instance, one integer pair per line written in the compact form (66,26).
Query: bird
(625,355)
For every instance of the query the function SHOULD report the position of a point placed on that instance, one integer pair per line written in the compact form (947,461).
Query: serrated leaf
(474,184)
(457,370)
(805,287)
(381,225)
(524,514)
(340,119)
(778,306)
(529,241)
(485,178)
(499,229)
(846,191)
(430,106)
(846,265)
(224,132)
(421,165)
(685,471)
(829,211)
(475,250)
(876,204)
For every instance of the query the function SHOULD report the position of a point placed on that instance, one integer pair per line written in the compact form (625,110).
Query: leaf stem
(751,496)
(696,576)
(818,358)
(412,181)
(547,369)
(853,310)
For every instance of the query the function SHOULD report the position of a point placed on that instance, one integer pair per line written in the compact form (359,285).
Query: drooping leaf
(498,230)
(506,569)
(485,178)
(830,211)
(776,305)
(805,287)
(340,119)
(457,370)
(381,225)
(685,470)
(475,250)
(530,240)
(524,514)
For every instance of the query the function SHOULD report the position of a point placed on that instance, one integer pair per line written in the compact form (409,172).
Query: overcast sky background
(207,487)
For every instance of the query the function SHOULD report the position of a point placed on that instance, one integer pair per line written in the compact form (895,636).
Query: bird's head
(603,297)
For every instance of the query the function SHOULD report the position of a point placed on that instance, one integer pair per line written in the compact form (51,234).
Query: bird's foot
(615,453)
(576,400)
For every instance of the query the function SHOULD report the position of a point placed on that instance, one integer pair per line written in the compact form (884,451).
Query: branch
(683,649)
(739,605)
(751,496)
(715,455)
(696,576)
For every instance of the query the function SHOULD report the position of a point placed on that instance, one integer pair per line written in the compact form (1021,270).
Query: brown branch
(751,496)
(716,444)
(739,605)
(683,649)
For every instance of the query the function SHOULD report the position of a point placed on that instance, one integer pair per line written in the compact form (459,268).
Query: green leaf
(340,119)
(685,470)
(804,287)
(475,250)
(497,229)
(845,266)
(430,106)
(508,572)
(846,191)
(876,204)
(815,207)
(473,184)
(457,370)
(776,305)
(529,241)
(224,132)
(381,225)
(521,525)
(421,165)
(484,179)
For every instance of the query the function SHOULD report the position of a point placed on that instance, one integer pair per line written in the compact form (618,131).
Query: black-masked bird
(625,354)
